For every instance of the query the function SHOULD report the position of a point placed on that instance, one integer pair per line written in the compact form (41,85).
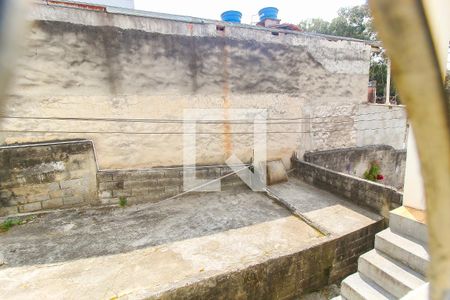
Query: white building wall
(414,194)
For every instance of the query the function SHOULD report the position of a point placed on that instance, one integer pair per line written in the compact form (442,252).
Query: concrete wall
(117,3)
(46,176)
(379,124)
(153,185)
(356,161)
(289,276)
(375,196)
(82,70)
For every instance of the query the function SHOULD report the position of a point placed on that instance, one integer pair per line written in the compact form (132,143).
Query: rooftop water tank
(268,13)
(232,16)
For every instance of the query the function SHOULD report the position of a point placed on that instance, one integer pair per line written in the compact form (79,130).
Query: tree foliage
(354,22)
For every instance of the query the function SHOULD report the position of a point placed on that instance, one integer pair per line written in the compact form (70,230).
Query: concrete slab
(186,239)
(326,210)
(68,235)
(151,249)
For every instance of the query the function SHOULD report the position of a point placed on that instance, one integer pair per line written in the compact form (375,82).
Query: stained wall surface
(356,161)
(124,81)
(47,176)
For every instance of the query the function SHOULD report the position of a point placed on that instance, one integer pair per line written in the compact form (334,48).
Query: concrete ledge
(355,161)
(379,198)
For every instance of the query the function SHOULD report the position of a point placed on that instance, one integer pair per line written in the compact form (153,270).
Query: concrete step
(356,287)
(406,251)
(402,222)
(395,278)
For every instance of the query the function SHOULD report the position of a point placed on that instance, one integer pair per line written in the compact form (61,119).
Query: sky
(290,11)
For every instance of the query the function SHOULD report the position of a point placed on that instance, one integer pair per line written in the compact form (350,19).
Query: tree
(354,22)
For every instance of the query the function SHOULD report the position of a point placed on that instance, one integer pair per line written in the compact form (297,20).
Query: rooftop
(185,240)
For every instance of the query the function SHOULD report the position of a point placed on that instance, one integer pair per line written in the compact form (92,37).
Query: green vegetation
(123,201)
(9,223)
(373,173)
(355,22)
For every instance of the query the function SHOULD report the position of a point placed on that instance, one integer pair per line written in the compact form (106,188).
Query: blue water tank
(232,16)
(268,13)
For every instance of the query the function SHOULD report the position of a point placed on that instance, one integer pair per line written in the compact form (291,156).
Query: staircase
(396,266)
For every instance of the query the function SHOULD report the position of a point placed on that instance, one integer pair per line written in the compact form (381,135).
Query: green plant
(373,173)
(123,201)
(7,224)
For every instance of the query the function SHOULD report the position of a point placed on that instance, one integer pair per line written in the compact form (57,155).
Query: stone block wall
(152,185)
(290,276)
(46,176)
(355,161)
(53,175)
(377,197)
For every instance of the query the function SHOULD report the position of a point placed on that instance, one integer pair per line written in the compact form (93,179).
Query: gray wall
(377,197)
(46,176)
(153,185)
(355,161)
(83,69)
(116,3)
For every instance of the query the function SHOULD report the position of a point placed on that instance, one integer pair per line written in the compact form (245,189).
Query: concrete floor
(69,235)
(146,249)
(327,211)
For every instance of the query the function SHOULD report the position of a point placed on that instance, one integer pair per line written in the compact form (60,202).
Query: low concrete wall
(152,185)
(355,161)
(289,276)
(379,198)
(47,175)
(53,175)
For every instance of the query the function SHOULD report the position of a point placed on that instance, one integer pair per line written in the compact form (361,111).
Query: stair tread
(403,225)
(412,246)
(365,288)
(407,243)
(399,272)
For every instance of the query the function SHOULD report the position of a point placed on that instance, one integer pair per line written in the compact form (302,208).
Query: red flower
(380,177)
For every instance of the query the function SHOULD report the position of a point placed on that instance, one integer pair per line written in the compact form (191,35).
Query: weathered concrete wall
(83,70)
(153,185)
(46,176)
(290,276)
(379,124)
(117,3)
(356,161)
(377,197)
